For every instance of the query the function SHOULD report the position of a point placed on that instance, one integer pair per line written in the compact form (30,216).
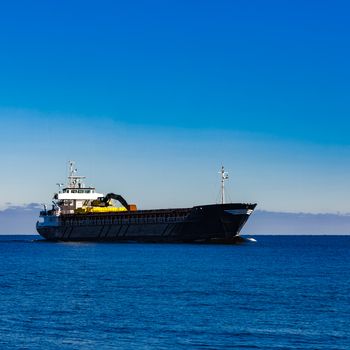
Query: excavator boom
(118,198)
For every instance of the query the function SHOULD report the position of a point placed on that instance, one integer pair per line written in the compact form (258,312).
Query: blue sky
(151,97)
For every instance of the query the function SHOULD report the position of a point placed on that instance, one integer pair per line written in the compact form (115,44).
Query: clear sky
(151,97)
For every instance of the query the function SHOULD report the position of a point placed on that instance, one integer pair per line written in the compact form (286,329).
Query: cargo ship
(79,213)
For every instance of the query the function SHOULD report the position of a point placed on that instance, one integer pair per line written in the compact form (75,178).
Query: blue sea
(282,292)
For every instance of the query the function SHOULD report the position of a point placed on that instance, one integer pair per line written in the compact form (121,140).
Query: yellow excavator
(105,205)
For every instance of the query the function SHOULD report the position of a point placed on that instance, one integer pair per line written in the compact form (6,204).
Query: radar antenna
(60,185)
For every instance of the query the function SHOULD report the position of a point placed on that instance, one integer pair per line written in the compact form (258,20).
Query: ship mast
(74,181)
(71,173)
(224,176)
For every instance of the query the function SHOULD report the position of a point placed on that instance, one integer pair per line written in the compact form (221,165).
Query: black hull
(200,224)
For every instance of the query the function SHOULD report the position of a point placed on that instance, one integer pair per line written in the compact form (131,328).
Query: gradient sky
(151,97)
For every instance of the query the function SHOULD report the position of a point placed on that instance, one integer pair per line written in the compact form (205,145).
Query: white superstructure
(75,193)
(68,198)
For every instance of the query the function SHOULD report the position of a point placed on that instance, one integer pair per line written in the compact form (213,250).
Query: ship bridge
(75,194)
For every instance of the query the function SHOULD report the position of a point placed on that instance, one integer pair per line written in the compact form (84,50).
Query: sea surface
(282,292)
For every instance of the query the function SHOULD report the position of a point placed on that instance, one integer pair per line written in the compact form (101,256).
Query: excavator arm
(117,197)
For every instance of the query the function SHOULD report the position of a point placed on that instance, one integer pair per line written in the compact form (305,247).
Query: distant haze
(266,222)
(22,219)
